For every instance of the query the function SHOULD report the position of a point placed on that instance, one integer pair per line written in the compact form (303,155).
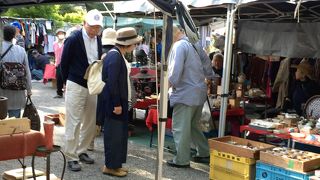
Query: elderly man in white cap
(80,49)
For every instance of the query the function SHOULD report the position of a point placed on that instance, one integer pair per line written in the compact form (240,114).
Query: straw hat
(127,36)
(305,68)
(108,36)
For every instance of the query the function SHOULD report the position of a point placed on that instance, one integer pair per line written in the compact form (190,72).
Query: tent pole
(163,101)
(226,69)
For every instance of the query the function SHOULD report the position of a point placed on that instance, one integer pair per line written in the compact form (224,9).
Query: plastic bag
(205,122)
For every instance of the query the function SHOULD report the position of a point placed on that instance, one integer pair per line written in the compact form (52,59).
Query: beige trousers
(80,120)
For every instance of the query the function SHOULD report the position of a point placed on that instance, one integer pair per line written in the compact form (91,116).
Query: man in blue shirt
(188,69)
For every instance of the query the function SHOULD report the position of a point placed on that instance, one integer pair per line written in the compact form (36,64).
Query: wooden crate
(293,164)
(222,144)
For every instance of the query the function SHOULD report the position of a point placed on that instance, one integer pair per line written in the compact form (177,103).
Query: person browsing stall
(305,86)
(19,39)
(116,94)
(187,72)
(40,65)
(16,98)
(58,48)
(80,49)
(217,64)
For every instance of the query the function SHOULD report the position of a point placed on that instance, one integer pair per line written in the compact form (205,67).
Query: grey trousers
(185,130)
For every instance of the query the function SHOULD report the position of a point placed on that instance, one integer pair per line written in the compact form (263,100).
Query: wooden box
(294,164)
(219,90)
(226,144)
(14,126)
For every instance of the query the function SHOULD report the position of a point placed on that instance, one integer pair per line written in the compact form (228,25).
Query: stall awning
(295,40)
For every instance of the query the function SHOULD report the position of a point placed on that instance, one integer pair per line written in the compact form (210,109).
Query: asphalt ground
(141,160)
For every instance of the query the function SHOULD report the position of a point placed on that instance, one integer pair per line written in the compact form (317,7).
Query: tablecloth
(234,116)
(152,119)
(20,145)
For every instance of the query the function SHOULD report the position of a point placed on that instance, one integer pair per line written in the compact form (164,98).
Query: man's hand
(117,110)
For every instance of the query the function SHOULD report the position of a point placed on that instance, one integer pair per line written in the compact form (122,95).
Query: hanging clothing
(281,82)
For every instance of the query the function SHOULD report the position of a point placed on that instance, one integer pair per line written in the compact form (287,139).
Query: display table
(235,116)
(18,146)
(144,103)
(304,141)
(246,128)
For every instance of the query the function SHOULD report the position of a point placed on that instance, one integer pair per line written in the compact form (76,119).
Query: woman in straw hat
(116,93)
(305,87)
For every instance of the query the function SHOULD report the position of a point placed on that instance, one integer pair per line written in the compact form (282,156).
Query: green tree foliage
(59,13)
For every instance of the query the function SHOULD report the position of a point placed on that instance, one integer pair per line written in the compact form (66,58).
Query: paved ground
(141,159)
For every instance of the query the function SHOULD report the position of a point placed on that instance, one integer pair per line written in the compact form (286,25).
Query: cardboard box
(58,119)
(54,83)
(293,164)
(239,93)
(16,174)
(291,121)
(14,126)
(223,144)
(234,103)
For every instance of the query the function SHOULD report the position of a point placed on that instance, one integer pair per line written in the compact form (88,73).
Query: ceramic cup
(48,127)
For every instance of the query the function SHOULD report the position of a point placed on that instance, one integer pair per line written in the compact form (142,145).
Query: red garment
(49,72)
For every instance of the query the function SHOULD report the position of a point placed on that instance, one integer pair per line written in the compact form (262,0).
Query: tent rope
(297,11)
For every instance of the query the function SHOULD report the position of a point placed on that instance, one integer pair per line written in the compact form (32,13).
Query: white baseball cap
(94,17)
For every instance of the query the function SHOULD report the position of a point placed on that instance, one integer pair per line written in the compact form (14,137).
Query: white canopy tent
(215,8)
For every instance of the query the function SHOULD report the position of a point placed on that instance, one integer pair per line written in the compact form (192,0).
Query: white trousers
(80,120)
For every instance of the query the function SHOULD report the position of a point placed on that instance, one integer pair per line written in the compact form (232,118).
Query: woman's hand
(117,110)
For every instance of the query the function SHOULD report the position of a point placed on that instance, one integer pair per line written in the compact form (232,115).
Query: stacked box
(234,158)
(225,166)
(265,171)
(303,162)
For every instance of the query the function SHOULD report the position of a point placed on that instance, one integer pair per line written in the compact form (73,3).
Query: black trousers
(59,80)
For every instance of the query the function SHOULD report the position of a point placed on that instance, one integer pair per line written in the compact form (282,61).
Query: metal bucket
(3,107)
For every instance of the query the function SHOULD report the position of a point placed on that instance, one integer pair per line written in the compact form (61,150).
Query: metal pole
(163,102)
(226,71)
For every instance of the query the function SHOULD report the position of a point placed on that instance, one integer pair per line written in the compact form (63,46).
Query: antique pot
(3,107)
